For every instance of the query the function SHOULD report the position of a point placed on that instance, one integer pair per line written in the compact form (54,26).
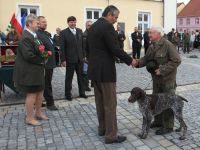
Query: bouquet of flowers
(45,54)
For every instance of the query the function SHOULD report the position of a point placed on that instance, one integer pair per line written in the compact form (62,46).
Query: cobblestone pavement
(74,126)
(127,78)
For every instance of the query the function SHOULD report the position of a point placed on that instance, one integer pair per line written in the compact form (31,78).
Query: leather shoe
(33,124)
(53,107)
(154,125)
(87,88)
(118,140)
(69,98)
(43,105)
(41,118)
(101,134)
(83,96)
(162,131)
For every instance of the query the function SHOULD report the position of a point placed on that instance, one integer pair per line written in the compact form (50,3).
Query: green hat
(151,66)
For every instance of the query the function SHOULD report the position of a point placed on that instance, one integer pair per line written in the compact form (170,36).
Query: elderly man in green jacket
(167,58)
(186,38)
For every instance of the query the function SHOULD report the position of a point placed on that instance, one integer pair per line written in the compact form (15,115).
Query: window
(188,21)
(197,21)
(143,22)
(92,15)
(30,8)
(181,21)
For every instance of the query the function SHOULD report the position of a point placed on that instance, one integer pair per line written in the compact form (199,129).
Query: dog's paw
(178,130)
(182,138)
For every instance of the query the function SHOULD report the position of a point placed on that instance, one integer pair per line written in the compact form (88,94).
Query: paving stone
(144,147)
(165,143)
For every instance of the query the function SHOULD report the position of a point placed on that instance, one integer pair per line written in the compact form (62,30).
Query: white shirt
(119,32)
(192,38)
(73,30)
(34,34)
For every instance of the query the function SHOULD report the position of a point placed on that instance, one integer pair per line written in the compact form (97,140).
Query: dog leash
(150,81)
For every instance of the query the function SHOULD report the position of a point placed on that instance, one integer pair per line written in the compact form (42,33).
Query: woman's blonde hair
(30,18)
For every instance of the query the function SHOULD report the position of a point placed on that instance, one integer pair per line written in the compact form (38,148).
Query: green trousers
(166,118)
(187,46)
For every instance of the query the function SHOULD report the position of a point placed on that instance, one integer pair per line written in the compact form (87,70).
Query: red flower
(41,48)
(49,53)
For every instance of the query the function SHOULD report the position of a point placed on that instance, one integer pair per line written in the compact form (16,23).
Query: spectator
(183,39)
(29,70)
(198,38)
(13,37)
(179,36)
(176,41)
(186,38)
(147,41)
(56,37)
(137,43)
(3,37)
(192,38)
(170,35)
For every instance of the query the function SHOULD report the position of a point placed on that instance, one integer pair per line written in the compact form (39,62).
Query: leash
(150,81)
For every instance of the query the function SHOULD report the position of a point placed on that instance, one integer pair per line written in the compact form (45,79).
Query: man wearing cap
(161,60)
(170,35)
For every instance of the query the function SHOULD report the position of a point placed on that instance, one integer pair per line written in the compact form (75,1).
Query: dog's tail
(183,99)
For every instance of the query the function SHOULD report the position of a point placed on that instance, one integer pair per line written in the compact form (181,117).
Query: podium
(6,69)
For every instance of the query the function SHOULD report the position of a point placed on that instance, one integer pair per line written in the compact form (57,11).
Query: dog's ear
(142,96)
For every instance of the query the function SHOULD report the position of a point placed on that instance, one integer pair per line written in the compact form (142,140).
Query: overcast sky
(185,1)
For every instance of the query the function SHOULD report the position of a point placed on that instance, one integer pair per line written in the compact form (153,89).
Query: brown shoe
(53,107)
(33,124)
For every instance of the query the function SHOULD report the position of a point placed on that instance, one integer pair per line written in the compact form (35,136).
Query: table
(6,75)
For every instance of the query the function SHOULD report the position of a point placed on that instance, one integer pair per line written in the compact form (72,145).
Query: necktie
(74,32)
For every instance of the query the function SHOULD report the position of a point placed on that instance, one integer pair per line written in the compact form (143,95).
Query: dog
(153,104)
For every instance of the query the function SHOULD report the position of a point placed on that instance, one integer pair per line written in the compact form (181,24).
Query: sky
(185,1)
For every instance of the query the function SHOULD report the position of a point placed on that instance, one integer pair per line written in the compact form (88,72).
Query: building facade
(180,6)
(133,13)
(189,17)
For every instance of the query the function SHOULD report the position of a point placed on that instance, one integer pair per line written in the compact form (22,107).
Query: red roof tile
(191,9)
(178,4)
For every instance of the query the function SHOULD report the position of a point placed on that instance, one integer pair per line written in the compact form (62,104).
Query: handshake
(134,63)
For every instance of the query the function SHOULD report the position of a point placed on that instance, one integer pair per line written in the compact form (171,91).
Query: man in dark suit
(147,41)
(170,35)
(47,41)
(121,38)
(72,56)
(103,46)
(137,43)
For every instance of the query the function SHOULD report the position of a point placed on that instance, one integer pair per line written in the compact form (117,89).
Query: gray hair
(58,29)
(87,22)
(110,9)
(30,18)
(159,29)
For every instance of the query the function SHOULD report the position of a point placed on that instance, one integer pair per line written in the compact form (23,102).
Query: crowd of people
(99,47)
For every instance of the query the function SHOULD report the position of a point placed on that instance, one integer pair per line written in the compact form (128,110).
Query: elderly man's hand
(158,72)
(134,63)
(64,63)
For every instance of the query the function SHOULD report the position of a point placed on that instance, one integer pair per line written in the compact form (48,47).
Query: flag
(17,23)
(10,23)
(23,20)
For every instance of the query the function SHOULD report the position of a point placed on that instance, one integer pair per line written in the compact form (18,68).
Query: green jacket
(167,57)
(29,64)
(186,38)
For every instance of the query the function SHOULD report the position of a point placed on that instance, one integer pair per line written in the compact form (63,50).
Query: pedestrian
(162,60)
(137,43)
(103,46)
(147,41)
(170,35)
(3,37)
(88,25)
(176,41)
(179,36)
(186,38)
(29,70)
(57,46)
(13,37)
(192,38)
(72,56)
(198,38)
(47,41)
(183,40)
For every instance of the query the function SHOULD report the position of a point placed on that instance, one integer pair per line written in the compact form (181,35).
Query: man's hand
(10,43)
(122,39)
(138,40)
(158,72)
(84,59)
(149,42)
(64,63)
(134,63)
(46,60)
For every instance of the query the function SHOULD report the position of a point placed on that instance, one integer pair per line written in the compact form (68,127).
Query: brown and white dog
(153,104)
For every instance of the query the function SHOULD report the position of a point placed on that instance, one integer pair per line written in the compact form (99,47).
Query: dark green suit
(29,65)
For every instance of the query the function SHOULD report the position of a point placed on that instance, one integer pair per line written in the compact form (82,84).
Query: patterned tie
(74,32)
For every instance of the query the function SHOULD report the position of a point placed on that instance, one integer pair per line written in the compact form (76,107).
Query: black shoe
(162,131)
(83,96)
(153,125)
(101,134)
(69,98)
(87,88)
(43,105)
(121,61)
(52,107)
(118,140)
